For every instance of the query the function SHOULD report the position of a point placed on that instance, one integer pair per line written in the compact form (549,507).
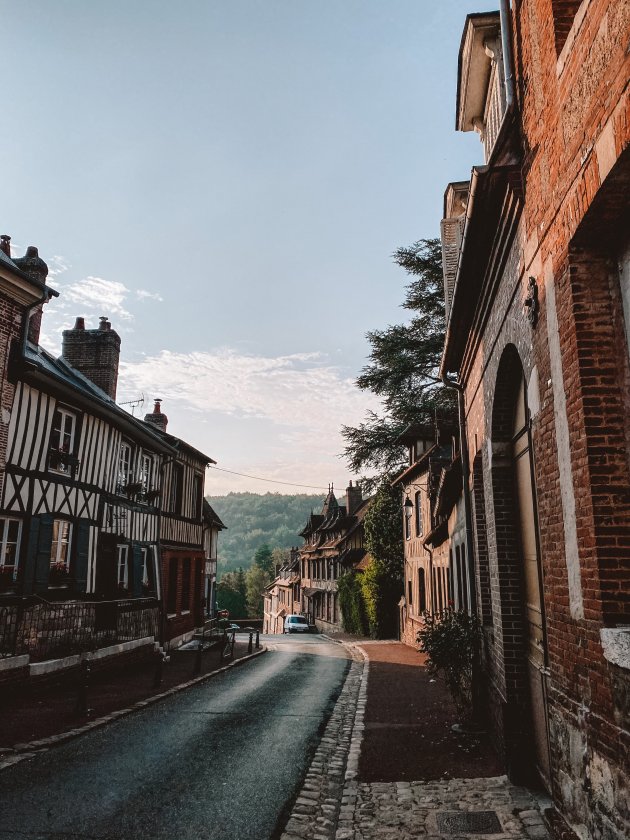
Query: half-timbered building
(182,532)
(333,545)
(212,524)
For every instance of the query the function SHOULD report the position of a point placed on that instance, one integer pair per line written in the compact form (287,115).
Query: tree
(382,581)
(264,559)
(257,580)
(403,367)
(231,595)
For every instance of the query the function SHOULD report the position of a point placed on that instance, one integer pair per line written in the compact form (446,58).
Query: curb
(12,755)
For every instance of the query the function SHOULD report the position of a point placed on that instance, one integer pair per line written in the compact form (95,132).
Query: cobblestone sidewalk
(334,805)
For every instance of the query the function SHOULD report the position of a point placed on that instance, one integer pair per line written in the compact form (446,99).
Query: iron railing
(51,630)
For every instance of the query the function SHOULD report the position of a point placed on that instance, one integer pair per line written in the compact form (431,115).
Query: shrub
(451,640)
(351,603)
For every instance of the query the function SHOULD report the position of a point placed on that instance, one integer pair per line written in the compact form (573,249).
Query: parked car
(296,624)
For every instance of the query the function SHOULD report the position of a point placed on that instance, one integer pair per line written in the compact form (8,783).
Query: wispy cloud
(57,265)
(96,293)
(296,392)
(143,294)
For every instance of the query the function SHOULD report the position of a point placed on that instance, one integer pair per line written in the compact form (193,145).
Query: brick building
(537,283)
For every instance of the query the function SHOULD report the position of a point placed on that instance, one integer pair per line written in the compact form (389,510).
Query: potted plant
(451,640)
(59,574)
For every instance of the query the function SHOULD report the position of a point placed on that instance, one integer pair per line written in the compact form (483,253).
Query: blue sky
(227,181)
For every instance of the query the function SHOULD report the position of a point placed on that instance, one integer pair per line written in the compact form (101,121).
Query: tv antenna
(134,404)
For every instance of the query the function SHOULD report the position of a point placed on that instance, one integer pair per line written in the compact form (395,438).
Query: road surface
(221,760)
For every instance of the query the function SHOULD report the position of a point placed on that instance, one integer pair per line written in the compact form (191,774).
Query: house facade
(283,595)
(333,545)
(536,275)
(436,574)
(95,504)
(212,525)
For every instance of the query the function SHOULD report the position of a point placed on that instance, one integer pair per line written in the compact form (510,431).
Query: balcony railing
(46,630)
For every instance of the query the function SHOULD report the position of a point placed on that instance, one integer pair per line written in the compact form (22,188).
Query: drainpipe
(506,47)
(463,454)
(27,316)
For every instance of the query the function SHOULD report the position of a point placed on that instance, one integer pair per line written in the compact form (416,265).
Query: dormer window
(61,457)
(481,100)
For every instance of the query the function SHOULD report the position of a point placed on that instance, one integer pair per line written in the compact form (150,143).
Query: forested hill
(253,520)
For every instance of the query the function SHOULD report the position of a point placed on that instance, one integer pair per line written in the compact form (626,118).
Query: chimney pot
(33,265)
(5,244)
(156,418)
(102,322)
(79,324)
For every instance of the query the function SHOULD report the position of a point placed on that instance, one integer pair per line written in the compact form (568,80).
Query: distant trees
(232,594)
(254,520)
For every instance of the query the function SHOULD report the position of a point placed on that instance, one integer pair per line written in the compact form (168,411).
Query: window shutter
(106,566)
(28,575)
(82,530)
(44,545)
(136,571)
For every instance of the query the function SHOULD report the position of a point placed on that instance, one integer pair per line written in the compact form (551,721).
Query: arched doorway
(520,575)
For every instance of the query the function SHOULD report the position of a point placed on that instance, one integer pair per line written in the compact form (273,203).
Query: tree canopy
(402,368)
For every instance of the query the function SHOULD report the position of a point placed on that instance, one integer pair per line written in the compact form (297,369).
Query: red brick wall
(11,315)
(190,615)
(574,108)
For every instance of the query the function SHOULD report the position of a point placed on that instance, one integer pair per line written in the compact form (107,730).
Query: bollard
(257,639)
(159,669)
(232,647)
(82,695)
(197,668)
(251,640)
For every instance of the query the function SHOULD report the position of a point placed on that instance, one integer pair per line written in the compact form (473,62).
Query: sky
(226,181)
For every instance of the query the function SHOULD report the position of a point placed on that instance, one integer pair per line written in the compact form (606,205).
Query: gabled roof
(45,370)
(211,517)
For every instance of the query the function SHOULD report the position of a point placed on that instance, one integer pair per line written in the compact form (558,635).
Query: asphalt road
(221,760)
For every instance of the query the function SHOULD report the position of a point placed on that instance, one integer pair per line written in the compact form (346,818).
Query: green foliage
(403,367)
(382,581)
(231,593)
(263,559)
(257,579)
(351,603)
(381,594)
(254,520)
(452,640)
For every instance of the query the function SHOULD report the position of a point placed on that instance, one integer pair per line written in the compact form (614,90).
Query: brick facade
(563,221)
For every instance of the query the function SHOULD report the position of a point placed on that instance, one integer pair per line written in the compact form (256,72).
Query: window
(61,457)
(198,496)
(60,547)
(418,514)
(186,584)
(146,472)
(10,533)
(407,526)
(422,592)
(123,567)
(177,484)
(144,553)
(124,466)
(409,593)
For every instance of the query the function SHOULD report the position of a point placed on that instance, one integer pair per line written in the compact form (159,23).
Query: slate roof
(210,514)
(43,365)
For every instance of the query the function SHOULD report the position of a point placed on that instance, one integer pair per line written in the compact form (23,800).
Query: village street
(221,760)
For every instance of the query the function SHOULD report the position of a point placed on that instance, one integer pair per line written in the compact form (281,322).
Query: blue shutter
(136,571)
(28,574)
(82,530)
(44,545)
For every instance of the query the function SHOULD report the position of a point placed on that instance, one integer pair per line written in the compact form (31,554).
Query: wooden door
(536,655)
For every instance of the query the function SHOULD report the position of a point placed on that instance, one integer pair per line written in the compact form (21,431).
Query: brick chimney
(35,267)
(94,353)
(354,497)
(156,418)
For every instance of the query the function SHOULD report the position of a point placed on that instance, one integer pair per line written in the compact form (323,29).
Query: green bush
(452,640)
(351,603)
(381,593)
